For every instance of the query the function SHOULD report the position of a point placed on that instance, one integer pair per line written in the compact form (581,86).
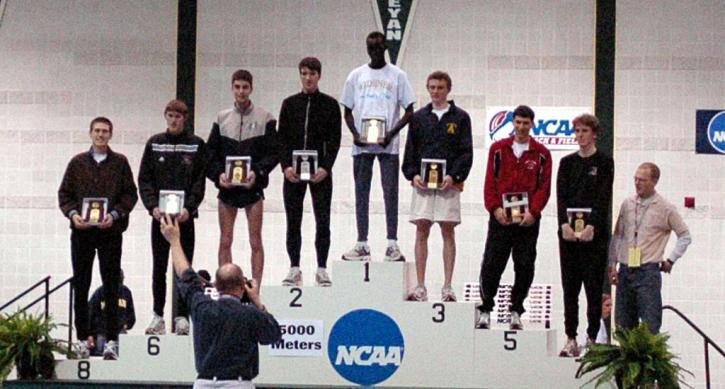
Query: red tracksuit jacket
(505,173)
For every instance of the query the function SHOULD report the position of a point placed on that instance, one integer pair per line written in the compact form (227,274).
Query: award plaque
(171,202)
(304,163)
(373,130)
(432,171)
(237,169)
(578,219)
(94,210)
(516,205)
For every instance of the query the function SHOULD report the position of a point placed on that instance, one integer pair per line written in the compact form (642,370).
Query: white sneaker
(447,294)
(588,345)
(358,253)
(571,349)
(419,294)
(294,277)
(157,326)
(110,350)
(81,349)
(516,321)
(484,321)
(182,325)
(322,278)
(392,254)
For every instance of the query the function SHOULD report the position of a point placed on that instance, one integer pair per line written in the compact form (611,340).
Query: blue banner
(710,131)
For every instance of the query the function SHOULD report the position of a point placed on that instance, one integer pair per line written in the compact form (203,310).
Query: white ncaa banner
(553,126)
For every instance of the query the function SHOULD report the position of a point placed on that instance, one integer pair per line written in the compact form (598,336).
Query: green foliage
(25,342)
(642,360)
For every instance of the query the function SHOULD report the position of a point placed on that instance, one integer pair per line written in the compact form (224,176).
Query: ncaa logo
(716,132)
(498,122)
(365,347)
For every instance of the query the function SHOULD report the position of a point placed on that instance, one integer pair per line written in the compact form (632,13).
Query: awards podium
(359,332)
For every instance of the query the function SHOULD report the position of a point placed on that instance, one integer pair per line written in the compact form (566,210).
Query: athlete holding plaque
(584,200)
(309,126)
(372,96)
(244,130)
(171,181)
(439,133)
(518,164)
(97,185)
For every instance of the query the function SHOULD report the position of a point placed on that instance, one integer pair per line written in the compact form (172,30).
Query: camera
(245,296)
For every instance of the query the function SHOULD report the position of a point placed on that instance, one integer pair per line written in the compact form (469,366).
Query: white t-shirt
(99,157)
(519,148)
(377,92)
(441,112)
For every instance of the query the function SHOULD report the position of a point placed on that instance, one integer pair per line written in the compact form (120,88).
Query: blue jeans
(362,166)
(639,296)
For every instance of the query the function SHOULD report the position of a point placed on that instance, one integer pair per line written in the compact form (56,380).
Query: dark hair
(440,75)
(177,106)
(101,119)
(524,111)
(242,75)
(588,120)
(311,63)
(376,35)
(654,170)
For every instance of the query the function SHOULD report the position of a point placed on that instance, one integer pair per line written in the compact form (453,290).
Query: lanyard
(638,220)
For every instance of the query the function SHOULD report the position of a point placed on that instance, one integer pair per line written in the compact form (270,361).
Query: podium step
(375,280)
(360,332)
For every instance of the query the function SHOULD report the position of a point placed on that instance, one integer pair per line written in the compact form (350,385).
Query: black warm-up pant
(294,196)
(502,241)
(84,245)
(160,248)
(582,263)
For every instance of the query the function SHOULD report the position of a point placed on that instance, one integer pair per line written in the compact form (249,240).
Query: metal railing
(707,340)
(45,297)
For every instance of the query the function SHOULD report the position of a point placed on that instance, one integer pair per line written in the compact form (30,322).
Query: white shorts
(436,205)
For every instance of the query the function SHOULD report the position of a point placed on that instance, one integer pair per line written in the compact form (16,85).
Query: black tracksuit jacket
(173,162)
(310,121)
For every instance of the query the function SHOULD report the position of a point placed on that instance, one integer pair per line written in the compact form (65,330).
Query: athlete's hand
(529,219)
(78,222)
(418,183)
(500,216)
(224,182)
(291,176)
(567,233)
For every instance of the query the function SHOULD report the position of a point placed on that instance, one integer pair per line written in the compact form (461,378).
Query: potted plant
(26,343)
(642,360)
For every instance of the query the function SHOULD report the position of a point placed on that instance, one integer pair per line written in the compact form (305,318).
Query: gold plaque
(578,219)
(432,172)
(95,213)
(93,210)
(373,130)
(516,205)
(239,173)
(516,216)
(433,176)
(237,169)
(304,163)
(171,202)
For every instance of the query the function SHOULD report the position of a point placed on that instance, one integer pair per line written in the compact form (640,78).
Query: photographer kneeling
(226,331)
